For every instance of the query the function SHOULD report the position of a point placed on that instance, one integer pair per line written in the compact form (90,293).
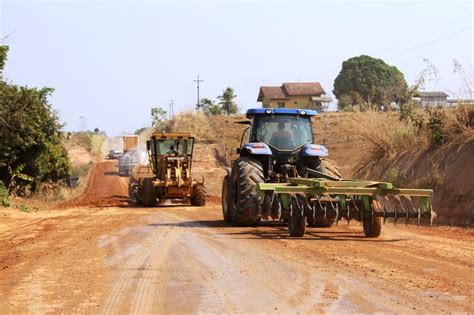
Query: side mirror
(238,150)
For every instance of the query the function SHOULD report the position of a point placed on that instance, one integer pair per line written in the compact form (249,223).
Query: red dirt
(105,188)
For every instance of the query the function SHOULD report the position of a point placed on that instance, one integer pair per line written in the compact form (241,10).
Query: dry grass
(194,122)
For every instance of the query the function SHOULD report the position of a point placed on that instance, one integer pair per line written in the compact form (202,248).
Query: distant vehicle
(130,143)
(127,162)
(115,154)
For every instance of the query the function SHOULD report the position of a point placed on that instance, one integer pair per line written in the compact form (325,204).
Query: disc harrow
(313,200)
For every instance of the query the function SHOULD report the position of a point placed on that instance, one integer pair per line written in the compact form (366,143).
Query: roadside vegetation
(31,146)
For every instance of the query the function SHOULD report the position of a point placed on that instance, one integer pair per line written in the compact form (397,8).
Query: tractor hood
(314,150)
(258,148)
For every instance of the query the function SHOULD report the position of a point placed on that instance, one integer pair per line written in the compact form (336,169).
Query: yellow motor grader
(168,174)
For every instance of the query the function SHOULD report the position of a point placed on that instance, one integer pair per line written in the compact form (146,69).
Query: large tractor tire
(147,193)
(329,167)
(227,203)
(246,173)
(198,198)
(297,219)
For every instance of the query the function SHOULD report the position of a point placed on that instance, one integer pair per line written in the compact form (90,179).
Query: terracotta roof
(303,89)
(289,89)
(431,94)
(274,92)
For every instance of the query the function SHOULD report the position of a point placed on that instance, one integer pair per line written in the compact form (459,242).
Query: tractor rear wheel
(147,195)
(246,173)
(297,219)
(227,203)
(199,196)
(329,167)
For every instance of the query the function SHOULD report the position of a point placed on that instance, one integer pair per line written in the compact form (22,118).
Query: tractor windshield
(177,147)
(283,132)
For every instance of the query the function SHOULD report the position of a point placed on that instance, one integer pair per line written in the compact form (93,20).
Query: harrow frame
(352,199)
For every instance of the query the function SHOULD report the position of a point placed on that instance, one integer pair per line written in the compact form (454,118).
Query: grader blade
(366,201)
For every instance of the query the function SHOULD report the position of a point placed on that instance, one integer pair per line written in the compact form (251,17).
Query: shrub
(4,195)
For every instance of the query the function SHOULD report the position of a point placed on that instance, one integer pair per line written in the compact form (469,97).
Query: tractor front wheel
(199,196)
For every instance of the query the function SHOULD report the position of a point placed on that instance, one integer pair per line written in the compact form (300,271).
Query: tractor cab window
(283,132)
(178,147)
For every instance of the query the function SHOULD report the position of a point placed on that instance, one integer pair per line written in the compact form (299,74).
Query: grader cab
(168,174)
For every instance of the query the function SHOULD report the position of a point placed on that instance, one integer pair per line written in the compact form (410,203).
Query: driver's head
(281,125)
(172,148)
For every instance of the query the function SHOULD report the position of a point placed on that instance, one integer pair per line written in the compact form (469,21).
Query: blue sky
(110,62)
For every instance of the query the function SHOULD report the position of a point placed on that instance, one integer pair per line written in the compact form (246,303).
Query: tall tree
(227,101)
(209,107)
(371,81)
(158,118)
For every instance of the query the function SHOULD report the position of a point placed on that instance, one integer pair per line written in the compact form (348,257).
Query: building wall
(291,102)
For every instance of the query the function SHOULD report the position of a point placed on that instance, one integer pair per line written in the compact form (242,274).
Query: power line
(432,42)
(422,34)
(431,51)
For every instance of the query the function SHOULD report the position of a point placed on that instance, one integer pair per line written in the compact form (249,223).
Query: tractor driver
(172,151)
(282,138)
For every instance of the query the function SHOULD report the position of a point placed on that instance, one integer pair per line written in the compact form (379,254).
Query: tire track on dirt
(144,295)
(134,266)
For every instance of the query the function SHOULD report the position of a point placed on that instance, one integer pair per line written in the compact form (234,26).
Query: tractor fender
(256,148)
(314,150)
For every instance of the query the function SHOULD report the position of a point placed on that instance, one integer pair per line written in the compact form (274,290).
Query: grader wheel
(199,196)
(147,193)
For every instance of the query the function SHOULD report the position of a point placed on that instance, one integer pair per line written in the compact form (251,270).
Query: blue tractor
(280,147)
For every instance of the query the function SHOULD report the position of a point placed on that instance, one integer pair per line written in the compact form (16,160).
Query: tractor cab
(282,140)
(282,129)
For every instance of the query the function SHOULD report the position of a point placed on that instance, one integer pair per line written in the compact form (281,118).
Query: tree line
(31,150)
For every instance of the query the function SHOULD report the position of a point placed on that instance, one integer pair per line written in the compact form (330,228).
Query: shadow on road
(277,230)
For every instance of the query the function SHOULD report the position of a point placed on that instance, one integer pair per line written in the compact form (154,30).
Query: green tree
(3,56)
(209,107)
(158,118)
(369,83)
(227,101)
(31,149)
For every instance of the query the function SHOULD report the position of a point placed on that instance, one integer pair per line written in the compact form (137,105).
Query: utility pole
(198,104)
(171,109)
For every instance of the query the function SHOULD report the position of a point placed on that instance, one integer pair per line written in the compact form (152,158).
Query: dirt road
(120,259)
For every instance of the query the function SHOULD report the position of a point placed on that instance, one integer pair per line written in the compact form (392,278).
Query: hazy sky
(110,62)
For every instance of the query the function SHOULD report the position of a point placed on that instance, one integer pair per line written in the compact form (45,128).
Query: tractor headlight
(268,111)
(303,112)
